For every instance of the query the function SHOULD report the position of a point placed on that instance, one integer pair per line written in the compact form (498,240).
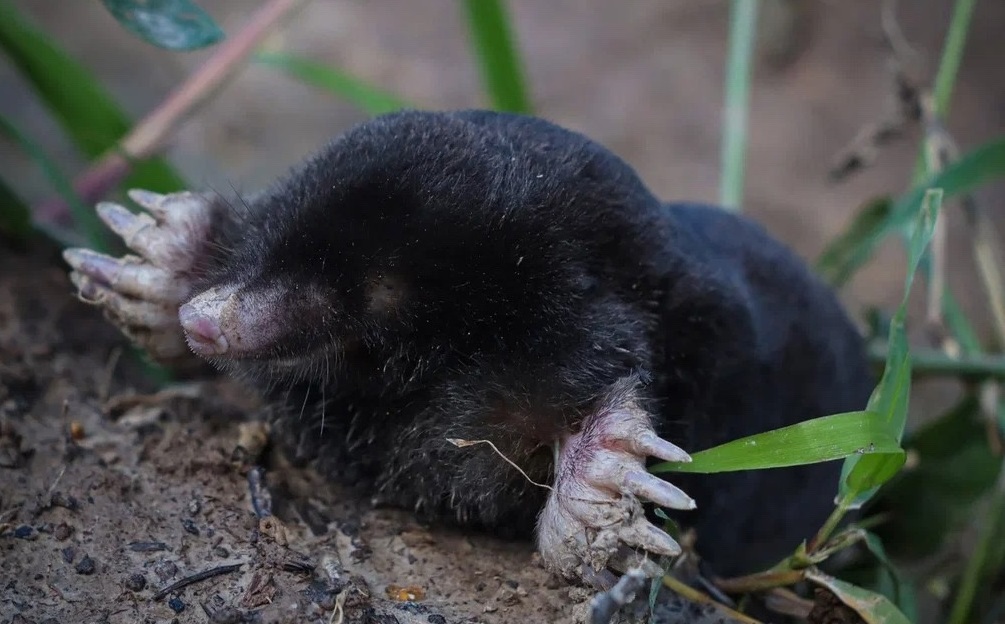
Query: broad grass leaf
(170,24)
(812,441)
(368,98)
(862,476)
(87,113)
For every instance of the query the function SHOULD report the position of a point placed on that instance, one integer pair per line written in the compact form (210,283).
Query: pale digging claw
(650,487)
(594,516)
(651,444)
(141,294)
(129,275)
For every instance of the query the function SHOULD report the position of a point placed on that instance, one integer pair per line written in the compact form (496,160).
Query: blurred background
(644,77)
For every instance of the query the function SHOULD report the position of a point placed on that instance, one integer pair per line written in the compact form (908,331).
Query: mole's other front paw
(141,294)
(594,517)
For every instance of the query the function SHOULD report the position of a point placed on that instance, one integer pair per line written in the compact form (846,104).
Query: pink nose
(202,331)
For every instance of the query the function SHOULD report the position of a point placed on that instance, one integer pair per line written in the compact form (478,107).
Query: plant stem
(945,77)
(831,523)
(148,136)
(930,362)
(742,29)
(493,41)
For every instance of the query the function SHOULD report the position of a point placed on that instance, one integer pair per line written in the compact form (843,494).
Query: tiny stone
(165,570)
(135,582)
(221,552)
(176,605)
(189,525)
(85,565)
(62,531)
(194,507)
(25,531)
(69,554)
(436,619)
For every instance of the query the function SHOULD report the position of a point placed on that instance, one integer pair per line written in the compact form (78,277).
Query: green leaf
(980,166)
(85,219)
(492,38)
(84,109)
(170,24)
(861,476)
(954,468)
(832,264)
(871,607)
(370,99)
(812,441)
(15,218)
(897,589)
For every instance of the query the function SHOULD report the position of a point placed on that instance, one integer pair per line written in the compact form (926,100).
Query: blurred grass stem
(742,29)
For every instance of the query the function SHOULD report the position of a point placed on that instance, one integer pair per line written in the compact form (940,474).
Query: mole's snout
(202,332)
(203,321)
(235,321)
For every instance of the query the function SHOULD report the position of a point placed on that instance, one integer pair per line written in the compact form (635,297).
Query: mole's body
(479,276)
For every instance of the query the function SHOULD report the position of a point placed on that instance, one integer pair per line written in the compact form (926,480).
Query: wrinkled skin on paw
(593,520)
(594,517)
(140,294)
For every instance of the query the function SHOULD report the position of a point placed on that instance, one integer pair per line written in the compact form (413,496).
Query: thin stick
(195,578)
(148,136)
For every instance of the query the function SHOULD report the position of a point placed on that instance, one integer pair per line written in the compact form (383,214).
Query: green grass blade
(742,31)
(812,441)
(15,218)
(861,476)
(903,593)
(872,607)
(370,99)
(171,24)
(949,66)
(980,166)
(494,44)
(85,110)
(85,219)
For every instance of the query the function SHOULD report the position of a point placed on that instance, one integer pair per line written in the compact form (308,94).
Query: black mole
(478,276)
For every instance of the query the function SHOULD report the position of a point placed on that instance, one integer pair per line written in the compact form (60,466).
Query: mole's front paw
(141,294)
(594,517)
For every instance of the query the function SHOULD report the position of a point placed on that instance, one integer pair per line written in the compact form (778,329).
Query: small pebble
(69,554)
(85,565)
(189,525)
(221,552)
(165,570)
(135,582)
(62,531)
(194,507)
(436,619)
(25,531)
(176,605)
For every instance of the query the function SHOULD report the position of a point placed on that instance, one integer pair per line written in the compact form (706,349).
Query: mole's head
(417,235)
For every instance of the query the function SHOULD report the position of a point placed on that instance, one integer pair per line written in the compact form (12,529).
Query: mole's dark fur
(498,275)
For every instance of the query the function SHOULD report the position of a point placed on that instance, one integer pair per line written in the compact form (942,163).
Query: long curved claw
(141,294)
(594,516)
(650,487)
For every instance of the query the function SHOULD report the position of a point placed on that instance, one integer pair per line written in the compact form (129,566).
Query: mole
(490,320)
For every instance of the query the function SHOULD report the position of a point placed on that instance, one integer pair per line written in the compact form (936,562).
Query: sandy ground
(150,488)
